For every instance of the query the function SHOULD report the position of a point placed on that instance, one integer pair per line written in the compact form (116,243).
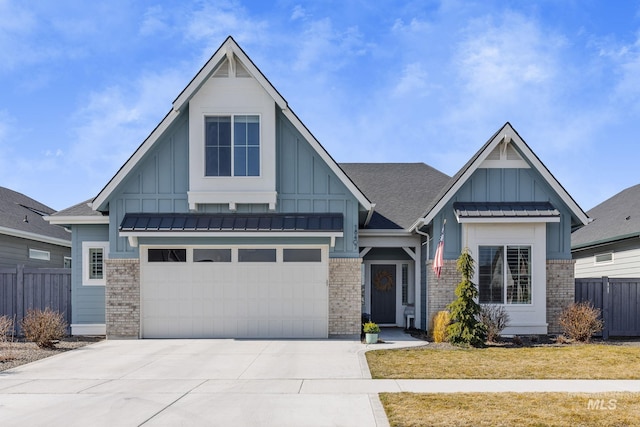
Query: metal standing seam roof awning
(505,212)
(136,225)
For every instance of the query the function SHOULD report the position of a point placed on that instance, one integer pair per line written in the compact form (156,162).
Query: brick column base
(122,295)
(560,290)
(441,292)
(345,296)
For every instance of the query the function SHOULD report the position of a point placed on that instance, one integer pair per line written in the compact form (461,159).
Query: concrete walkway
(227,382)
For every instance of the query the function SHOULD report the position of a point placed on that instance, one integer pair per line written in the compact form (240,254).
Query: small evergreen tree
(465,328)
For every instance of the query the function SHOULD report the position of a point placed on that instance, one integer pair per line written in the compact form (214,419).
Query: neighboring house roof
(78,214)
(400,191)
(229,47)
(21,216)
(617,218)
(507,132)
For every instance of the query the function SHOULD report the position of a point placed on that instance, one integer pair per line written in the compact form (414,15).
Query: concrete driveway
(198,382)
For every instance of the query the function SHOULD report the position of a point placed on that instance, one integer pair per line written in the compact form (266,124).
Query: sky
(83,83)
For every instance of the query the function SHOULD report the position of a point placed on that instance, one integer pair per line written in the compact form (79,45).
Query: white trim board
(35,237)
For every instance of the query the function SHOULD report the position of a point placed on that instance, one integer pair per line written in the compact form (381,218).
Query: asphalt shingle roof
(22,213)
(400,190)
(81,209)
(614,219)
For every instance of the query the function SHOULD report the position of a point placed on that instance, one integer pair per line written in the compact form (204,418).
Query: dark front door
(383,293)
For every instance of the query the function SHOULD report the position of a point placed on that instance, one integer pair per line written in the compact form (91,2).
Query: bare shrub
(44,327)
(495,318)
(580,321)
(6,327)
(440,322)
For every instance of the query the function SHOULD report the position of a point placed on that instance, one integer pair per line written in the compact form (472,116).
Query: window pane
(218,146)
(519,275)
(253,131)
(212,255)
(604,258)
(253,161)
(38,254)
(491,271)
(96,263)
(167,255)
(405,284)
(256,255)
(240,161)
(302,255)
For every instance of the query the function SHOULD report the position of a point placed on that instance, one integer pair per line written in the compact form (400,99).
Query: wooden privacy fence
(619,301)
(23,288)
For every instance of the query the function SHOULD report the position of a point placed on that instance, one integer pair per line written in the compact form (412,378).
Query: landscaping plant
(44,327)
(495,318)
(465,328)
(6,327)
(440,323)
(580,321)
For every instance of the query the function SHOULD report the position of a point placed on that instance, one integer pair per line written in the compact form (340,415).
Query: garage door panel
(231,299)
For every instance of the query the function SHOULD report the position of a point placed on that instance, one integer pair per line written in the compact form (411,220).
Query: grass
(512,409)
(582,361)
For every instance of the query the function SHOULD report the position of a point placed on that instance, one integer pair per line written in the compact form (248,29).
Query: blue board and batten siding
(505,185)
(88,302)
(305,183)
(159,183)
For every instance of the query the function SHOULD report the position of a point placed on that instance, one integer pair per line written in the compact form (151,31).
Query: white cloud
(298,13)
(153,21)
(413,81)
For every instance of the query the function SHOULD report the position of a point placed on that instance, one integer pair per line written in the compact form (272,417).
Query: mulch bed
(19,352)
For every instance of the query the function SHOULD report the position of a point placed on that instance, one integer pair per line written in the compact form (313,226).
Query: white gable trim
(300,127)
(134,159)
(506,133)
(228,47)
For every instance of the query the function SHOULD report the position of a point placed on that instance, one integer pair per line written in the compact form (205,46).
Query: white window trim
(39,254)
(504,285)
(204,146)
(596,262)
(86,246)
(70,261)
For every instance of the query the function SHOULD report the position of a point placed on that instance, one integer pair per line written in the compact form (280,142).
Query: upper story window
(232,145)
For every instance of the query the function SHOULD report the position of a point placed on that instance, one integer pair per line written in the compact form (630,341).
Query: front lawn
(578,361)
(512,409)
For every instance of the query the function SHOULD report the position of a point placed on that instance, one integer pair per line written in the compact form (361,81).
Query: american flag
(438,259)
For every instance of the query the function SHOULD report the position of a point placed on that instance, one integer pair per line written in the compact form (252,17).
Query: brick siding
(560,290)
(441,292)
(123,298)
(345,296)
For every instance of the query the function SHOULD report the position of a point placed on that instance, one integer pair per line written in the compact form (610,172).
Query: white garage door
(239,292)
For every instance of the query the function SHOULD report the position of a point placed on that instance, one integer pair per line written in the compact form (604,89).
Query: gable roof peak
(507,131)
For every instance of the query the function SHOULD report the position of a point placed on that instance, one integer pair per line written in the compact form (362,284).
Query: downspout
(426,275)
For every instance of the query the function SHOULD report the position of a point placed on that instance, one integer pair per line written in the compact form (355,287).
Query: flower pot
(371,338)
